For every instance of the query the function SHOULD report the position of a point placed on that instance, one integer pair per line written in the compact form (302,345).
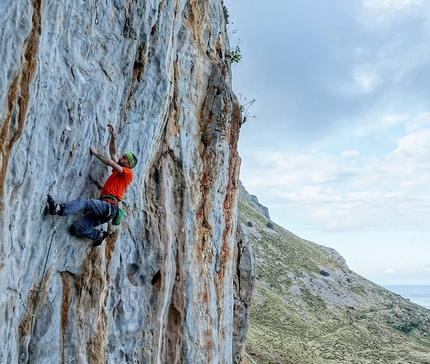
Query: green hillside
(309,308)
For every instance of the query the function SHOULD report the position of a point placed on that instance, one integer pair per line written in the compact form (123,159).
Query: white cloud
(385,12)
(350,153)
(421,121)
(365,79)
(413,149)
(333,193)
(380,124)
(390,5)
(390,271)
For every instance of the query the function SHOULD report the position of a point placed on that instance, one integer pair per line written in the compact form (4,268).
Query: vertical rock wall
(162,288)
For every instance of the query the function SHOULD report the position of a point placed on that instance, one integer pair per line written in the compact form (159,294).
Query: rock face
(164,286)
(254,200)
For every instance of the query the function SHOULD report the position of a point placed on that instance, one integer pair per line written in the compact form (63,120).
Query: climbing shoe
(102,237)
(52,206)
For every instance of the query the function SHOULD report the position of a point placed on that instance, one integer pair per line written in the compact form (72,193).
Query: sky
(337,142)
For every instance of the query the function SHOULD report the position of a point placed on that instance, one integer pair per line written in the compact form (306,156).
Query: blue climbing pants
(96,212)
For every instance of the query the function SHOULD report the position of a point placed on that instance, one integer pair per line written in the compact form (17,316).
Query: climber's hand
(93,151)
(111,130)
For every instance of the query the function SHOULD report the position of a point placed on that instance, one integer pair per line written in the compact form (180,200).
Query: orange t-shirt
(117,183)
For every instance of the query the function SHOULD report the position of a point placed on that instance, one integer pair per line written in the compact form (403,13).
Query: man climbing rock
(99,211)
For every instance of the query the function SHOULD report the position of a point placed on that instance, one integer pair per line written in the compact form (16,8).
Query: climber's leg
(84,227)
(88,205)
(96,213)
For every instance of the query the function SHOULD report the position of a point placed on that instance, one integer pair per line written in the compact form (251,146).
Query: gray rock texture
(244,287)
(168,286)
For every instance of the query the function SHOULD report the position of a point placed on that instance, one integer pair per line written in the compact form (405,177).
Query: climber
(99,211)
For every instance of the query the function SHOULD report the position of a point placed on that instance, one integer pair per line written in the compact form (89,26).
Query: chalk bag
(117,219)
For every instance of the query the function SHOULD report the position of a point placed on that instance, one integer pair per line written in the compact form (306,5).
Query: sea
(418,294)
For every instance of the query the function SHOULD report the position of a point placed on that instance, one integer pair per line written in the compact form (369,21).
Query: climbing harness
(117,219)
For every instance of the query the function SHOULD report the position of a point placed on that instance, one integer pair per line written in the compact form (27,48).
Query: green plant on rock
(236,55)
(225,11)
(244,106)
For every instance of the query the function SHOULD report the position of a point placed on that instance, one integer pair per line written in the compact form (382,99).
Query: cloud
(366,79)
(391,5)
(390,271)
(388,10)
(421,121)
(350,191)
(312,72)
(341,113)
(412,155)
(350,153)
(380,124)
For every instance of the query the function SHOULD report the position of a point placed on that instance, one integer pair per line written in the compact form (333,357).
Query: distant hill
(308,307)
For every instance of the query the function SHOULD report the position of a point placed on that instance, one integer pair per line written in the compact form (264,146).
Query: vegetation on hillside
(309,308)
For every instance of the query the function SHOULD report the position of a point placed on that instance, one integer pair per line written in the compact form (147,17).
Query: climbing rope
(97,13)
(23,305)
(32,312)
(39,290)
(80,111)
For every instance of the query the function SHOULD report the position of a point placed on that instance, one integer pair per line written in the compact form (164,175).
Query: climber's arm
(109,162)
(112,143)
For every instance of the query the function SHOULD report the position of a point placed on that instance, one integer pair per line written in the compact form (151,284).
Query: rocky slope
(171,285)
(308,307)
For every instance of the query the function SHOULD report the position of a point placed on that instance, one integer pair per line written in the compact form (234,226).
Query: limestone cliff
(165,287)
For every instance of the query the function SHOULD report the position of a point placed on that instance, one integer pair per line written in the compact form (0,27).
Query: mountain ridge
(308,307)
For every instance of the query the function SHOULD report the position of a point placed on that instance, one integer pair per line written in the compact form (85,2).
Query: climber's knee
(77,229)
(72,230)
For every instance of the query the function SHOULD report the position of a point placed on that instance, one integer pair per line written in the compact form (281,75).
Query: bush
(236,55)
